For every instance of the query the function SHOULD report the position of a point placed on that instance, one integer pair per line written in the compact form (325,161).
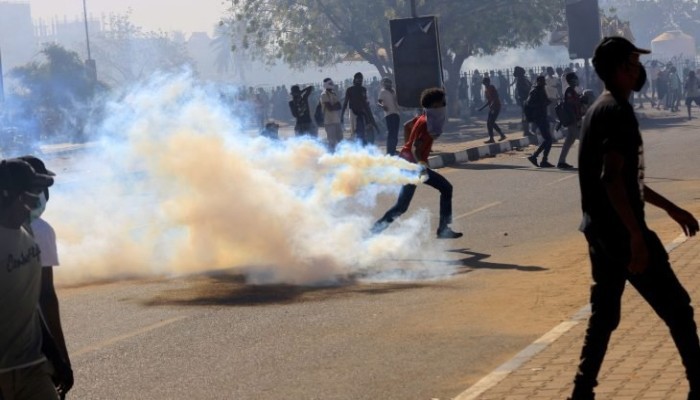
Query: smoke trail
(174,187)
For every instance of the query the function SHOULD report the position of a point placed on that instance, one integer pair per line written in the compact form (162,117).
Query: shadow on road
(230,289)
(476,261)
(664,122)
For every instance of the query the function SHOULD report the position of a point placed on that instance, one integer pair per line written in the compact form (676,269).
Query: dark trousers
(491,122)
(658,285)
(392,137)
(546,145)
(406,195)
(360,129)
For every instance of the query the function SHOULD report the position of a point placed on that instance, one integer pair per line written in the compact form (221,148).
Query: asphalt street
(213,337)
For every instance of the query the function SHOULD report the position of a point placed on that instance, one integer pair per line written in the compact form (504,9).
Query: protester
(389,103)
(552,88)
(522,90)
(331,114)
(426,129)
(493,102)
(24,372)
(463,95)
(538,102)
(476,89)
(622,247)
(360,113)
(573,106)
(299,106)
(675,89)
(692,91)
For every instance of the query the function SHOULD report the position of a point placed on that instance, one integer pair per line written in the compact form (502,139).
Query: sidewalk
(641,363)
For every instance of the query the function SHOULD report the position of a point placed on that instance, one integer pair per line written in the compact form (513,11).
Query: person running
(574,107)
(426,129)
(622,247)
(493,102)
(538,102)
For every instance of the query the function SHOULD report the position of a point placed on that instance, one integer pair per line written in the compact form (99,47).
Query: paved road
(211,337)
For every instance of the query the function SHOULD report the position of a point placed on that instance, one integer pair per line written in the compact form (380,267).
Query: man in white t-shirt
(388,102)
(23,367)
(552,85)
(331,114)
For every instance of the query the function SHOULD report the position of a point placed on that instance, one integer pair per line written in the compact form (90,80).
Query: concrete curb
(476,153)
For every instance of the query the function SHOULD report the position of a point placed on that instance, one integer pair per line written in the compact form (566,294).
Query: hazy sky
(168,15)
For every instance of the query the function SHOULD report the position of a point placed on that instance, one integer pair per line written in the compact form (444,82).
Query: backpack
(318,114)
(564,114)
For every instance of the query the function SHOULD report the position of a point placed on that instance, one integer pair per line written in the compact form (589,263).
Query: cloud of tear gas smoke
(176,186)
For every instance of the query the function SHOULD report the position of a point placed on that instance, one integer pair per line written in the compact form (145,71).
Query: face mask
(36,212)
(641,80)
(436,117)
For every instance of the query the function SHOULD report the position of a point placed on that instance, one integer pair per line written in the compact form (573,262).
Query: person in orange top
(425,130)
(493,102)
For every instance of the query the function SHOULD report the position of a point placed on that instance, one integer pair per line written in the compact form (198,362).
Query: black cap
(37,164)
(17,174)
(616,48)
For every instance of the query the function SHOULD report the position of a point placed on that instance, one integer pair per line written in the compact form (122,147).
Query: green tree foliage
(323,32)
(52,96)
(650,18)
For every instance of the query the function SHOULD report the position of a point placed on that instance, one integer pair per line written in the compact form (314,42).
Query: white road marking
(562,179)
(537,346)
(117,339)
(480,209)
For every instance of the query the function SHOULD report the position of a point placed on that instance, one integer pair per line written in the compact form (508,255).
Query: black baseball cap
(37,164)
(616,48)
(16,174)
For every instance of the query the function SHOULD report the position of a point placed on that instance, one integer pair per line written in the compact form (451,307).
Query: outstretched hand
(686,220)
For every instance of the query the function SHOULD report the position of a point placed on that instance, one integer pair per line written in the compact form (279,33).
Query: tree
(227,39)
(125,53)
(321,32)
(53,96)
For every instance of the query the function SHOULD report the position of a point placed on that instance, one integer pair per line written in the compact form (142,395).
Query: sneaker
(490,141)
(546,164)
(533,160)
(563,165)
(448,233)
(502,138)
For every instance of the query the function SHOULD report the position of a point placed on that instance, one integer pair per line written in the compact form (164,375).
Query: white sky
(167,15)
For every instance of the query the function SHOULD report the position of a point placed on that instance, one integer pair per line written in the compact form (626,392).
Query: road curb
(476,153)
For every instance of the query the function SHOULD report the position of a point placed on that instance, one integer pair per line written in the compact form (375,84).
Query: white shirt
(388,100)
(45,237)
(551,84)
(330,116)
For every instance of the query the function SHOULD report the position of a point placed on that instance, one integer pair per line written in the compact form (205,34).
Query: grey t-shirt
(20,285)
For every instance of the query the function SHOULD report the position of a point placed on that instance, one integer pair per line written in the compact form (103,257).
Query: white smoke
(176,187)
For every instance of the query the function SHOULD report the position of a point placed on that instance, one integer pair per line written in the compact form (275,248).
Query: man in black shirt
(356,98)
(621,246)
(538,102)
(299,106)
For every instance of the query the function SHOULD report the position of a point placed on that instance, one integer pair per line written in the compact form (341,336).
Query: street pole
(414,13)
(87,35)
(90,65)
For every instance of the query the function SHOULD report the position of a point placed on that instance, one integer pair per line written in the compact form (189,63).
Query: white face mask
(36,212)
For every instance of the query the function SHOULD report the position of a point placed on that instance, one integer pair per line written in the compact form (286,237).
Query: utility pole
(90,65)
(414,14)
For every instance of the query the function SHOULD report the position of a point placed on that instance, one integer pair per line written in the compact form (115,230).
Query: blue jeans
(392,137)
(406,195)
(546,145)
